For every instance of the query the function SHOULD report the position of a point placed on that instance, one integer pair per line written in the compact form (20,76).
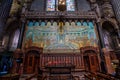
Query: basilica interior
(59,40)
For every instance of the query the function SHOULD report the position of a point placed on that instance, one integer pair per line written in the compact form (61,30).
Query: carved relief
(15,7)
(107,10)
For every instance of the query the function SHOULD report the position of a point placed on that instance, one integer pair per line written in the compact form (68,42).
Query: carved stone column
(21,33)
(101,46)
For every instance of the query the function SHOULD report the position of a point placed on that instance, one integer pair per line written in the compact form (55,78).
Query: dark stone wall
(38,5)
(83,5)
(4,13)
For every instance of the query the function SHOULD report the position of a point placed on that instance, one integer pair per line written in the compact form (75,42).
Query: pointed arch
(110,35)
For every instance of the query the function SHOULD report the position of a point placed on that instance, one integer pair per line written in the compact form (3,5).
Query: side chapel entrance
(31,61)
(91,61)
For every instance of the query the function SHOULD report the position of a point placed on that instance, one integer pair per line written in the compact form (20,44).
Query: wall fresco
(60,36)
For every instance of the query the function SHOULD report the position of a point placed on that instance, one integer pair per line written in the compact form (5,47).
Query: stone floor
(24,76)
(80,74)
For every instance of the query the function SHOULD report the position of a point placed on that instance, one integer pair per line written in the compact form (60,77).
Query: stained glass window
(70,5)
(15,40)
(52,5)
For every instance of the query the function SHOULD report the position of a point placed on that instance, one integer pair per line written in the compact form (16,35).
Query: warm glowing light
(62,5)
(62,2)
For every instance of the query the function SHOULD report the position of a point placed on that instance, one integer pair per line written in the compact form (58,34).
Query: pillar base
(109,66)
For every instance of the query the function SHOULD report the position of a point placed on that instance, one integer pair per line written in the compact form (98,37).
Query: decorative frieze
(85,15)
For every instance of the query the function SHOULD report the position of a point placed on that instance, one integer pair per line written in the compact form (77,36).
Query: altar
(61,68)
(60,71)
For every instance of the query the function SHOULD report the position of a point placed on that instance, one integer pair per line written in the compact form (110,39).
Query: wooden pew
(41,77)
(76,77)
(30,77)
(89,76)
(10,77)
(105,76)
(99,76)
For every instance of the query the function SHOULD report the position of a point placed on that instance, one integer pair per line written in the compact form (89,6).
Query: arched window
(52,5)
(15,40)
(109,35)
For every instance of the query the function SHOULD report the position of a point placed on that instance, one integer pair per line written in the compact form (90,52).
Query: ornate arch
(112,21)
(34,48)
(12,24)
(89,48)
(110,33)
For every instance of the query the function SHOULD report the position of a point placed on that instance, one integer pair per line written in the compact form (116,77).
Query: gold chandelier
(61,5)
